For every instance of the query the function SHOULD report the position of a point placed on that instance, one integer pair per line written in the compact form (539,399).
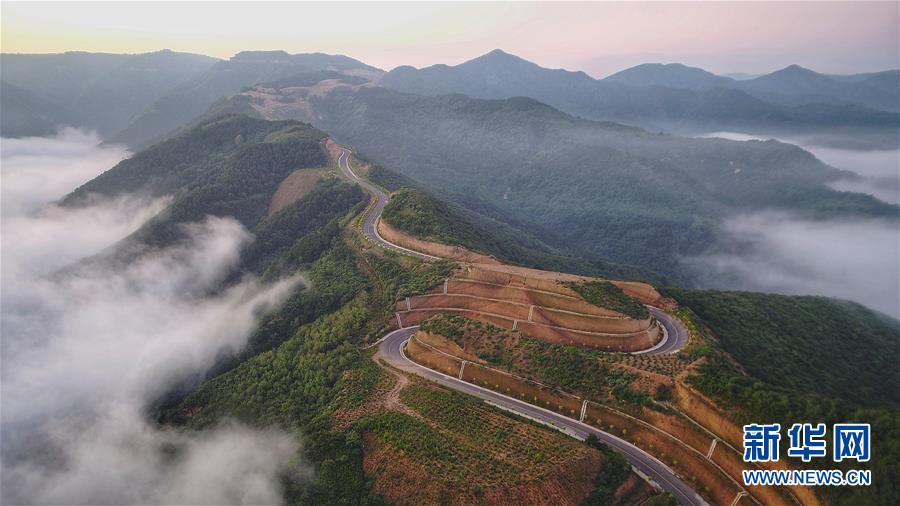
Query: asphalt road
(370,225)
(391,350)
(390,347)
(676,336)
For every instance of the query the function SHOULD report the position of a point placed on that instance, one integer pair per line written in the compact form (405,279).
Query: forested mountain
(226,78)
(784,358)
(423,215)
(25,114)
(230,166)
(792,85)
(102,92)
(604,190)
(670,97)
(788,340)
(671,75)
(795,85)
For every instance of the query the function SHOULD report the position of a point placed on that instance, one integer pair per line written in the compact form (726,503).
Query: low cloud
(85,353)
(122,459)
(774,252)
(37,170)
(879,171)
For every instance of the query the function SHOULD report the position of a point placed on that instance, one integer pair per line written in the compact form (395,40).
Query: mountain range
(599,190)
(97,91)
(792,85)
(672,97)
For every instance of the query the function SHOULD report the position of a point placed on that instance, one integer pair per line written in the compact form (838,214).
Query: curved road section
(391,350)
(675,335)
(370,225)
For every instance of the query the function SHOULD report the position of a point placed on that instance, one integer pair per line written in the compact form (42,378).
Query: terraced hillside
(536,304)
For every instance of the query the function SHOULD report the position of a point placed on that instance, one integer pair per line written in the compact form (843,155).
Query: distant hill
(602,190)
(672,75)
(792,85)
(26,114)
(740,76)
(230,166)
(494,75)
(888,80)
(103,92)
(226,78)
(670,97)
(795,85)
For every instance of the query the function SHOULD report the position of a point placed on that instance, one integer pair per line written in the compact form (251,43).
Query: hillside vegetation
(425,216)
(608,295)
(183,104)
(602,191)
(572,369)
(676,97)
(816,345)
(841,366)
(97,91)
(27,115)
(230,166)
(461,448)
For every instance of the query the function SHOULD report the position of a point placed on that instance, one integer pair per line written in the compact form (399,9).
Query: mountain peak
(795,69)
(262,55)
(794,74)
(498,55)
(674,75)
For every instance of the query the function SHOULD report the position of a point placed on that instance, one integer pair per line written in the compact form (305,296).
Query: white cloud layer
(774,252)
(84,353)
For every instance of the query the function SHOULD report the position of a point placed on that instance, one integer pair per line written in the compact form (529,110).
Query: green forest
(600,191)
(791,340)
(841,382)
(608,295)
(423,215)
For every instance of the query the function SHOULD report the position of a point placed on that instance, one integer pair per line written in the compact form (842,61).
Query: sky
(599,38)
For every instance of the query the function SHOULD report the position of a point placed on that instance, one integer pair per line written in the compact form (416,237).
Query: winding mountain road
(675,336)
(391,351)
(370,225)
(390,348)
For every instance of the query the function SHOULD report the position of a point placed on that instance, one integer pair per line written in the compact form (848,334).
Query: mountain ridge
(700,107)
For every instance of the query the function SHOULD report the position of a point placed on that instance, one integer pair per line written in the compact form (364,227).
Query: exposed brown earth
(499,461)
(402,479)
(538,306)
(334,150)
(718,486)
(291,102)
(293,188)
(457,253)
(680,442)
(535,278)
(414,479)
(703,410)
